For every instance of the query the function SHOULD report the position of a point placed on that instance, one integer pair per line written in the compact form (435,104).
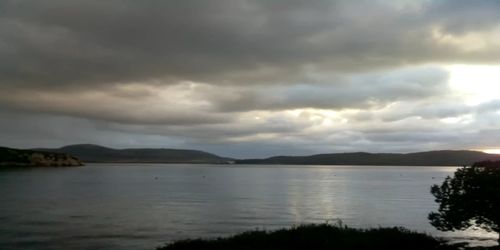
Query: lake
(142,206)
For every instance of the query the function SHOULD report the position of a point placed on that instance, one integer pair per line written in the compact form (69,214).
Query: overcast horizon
(249,79)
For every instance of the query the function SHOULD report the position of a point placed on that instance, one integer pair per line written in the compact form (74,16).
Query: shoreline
(324,236)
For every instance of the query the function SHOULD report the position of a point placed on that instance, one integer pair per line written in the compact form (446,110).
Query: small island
(10,157)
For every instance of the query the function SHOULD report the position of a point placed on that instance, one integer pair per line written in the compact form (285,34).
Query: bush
(323,236)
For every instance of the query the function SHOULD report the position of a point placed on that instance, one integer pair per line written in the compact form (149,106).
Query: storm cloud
(267,76)
(84,42)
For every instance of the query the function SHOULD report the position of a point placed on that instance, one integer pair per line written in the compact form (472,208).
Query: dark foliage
(322,236)
(14,155)
(470,198)
(10,157)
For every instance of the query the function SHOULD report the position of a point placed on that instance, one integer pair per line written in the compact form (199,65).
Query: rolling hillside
(96,153)
(430,158)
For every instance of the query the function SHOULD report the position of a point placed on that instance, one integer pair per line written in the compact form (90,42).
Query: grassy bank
(322,236)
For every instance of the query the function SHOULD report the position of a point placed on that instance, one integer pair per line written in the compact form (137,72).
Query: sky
(251,78)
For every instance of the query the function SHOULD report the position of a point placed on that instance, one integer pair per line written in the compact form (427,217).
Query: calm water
(143,206)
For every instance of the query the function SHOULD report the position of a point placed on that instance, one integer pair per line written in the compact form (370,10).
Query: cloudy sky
(251,78)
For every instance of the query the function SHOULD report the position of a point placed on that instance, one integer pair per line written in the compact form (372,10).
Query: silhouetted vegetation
(14,155)
(470,198)
(10,157)
(323,236)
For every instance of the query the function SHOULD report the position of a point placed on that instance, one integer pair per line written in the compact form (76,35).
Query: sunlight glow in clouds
(478,83)
(492,151)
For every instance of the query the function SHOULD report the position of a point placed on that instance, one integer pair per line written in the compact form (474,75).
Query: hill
(96,153)
(430,158)
(29,158)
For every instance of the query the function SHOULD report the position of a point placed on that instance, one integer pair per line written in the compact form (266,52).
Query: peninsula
(10,157)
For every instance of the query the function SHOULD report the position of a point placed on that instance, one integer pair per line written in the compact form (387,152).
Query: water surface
(142,206)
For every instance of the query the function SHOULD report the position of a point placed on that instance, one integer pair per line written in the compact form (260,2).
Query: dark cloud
(361,91)
(97,42)
(258,77)
(131,104)
(462,16)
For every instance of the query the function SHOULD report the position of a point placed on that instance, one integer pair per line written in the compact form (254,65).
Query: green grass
(321,236)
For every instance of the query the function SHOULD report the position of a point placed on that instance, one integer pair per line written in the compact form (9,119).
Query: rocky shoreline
(28,158)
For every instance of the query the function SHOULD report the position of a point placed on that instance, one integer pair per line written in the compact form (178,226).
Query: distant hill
(96,153)
(29,158)
(431,158)
(100,154)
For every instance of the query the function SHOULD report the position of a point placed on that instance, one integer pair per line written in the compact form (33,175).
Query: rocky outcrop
(28,158)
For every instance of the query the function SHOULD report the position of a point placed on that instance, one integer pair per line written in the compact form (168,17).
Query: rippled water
(141,206)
